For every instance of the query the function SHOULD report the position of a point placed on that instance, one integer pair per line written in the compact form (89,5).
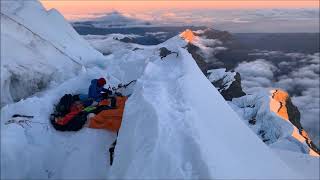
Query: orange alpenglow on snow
(278,105)
(188,35)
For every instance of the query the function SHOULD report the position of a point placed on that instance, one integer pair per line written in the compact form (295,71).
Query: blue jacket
(95,90)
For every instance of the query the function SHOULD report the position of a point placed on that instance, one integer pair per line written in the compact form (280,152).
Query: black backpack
(75,124)
(63,107)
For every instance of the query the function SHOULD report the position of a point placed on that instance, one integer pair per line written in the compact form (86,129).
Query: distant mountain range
(236,21)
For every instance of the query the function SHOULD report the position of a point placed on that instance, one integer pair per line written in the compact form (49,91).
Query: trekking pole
(111,149)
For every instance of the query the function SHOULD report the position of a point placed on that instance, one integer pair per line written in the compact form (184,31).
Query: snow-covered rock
(228,83)
(263,119)
(37,47)
(273,119)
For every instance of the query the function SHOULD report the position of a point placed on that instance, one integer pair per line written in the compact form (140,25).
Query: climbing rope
(37,35)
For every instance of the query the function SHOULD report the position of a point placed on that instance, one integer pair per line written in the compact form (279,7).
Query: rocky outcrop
(275,120)
(281,104)
(253,108)
(200,60)
(164,52)
(227,83)
(266,123)
(294,118)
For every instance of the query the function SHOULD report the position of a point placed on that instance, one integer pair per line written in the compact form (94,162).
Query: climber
(96,90)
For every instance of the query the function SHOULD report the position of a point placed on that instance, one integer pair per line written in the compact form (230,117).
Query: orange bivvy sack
(109,119)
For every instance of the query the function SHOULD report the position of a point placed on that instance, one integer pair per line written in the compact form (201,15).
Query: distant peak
(188,35)
(115,13)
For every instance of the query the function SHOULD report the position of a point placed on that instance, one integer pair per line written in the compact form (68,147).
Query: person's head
(101,82)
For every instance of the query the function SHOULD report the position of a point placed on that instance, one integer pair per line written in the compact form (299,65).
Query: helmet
(101,82)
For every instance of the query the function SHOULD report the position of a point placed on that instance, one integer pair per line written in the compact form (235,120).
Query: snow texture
(227,77)
(175,118)
(175,124)
(38,47)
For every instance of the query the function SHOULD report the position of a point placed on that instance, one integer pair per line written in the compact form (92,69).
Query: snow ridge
(172,121)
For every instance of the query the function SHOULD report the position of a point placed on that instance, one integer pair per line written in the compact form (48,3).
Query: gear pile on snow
(72,113)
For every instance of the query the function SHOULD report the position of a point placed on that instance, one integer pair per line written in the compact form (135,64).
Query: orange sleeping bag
(109,119)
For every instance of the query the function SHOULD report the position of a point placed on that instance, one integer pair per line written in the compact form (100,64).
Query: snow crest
(171,129)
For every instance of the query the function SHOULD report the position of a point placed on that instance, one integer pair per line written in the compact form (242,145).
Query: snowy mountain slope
(48,154)
(184,114)
(176,124)
(298,162)
(40,152)
(269,126)
(229,85)
(182,139)
(271,115)
(34,50)
(45,23)
(119,48)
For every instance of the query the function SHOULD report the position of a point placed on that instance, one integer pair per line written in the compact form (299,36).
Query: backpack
(75,124)
(63,107)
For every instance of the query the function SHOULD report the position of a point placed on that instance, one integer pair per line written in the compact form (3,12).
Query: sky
(68,8)
(231,15)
